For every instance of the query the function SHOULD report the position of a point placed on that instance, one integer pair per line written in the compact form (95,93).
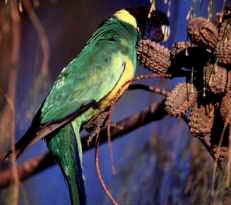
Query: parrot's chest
(121,85)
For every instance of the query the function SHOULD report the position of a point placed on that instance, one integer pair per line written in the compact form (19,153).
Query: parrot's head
(152,24)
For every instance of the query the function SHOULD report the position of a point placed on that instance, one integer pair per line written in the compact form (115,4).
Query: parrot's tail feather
(22,144)
(36,132)
(63,146)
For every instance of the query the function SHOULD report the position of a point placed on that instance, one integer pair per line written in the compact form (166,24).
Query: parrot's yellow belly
(121,85)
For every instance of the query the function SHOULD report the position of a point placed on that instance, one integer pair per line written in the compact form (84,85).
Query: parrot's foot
(94,133)
(114,125)
(94,126)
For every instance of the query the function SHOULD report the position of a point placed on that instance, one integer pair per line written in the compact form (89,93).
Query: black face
(153,25)
(156,28)
(227,10)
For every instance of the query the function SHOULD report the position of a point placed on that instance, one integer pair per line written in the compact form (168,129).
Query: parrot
(100,74)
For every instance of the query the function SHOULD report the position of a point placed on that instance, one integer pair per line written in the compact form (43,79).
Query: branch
(154,112)
(148,88)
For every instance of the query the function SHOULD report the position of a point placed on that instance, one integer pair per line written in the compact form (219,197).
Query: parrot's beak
(166,32)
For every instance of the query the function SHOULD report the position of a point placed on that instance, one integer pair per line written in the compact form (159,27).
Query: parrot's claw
(93,134)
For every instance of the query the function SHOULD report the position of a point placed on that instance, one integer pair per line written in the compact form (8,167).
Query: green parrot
(100,73)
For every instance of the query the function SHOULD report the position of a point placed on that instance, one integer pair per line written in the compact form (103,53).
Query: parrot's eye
(157,27)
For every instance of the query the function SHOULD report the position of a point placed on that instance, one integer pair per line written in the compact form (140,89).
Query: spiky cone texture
(216,79)
(224,30)
(220,152)
(180,99)
(225,108)
(201,120)
(223,53)
(153,56)
(179,54)
(203,33)
(178,47)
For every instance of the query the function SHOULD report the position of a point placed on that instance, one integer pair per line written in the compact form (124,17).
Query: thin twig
(16,36)
(217,158)
(99,174)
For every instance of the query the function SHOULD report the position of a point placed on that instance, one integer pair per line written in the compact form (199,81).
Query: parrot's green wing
(92,75)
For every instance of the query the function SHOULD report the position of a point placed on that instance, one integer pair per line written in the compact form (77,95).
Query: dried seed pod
(179,48)
(179,54)
(220,152)
(201,120)
(224,30)
(216,78)
(180,99)
(185,54)
(228,84)
(154,56)
(225,108)
(203,33)
(223,53)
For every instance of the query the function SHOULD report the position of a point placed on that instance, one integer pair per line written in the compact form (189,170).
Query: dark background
(153,162)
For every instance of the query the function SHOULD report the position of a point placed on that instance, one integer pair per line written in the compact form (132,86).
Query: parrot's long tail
(64,147)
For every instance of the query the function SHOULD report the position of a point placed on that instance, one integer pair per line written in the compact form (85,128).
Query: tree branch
(148,88)
(154,112)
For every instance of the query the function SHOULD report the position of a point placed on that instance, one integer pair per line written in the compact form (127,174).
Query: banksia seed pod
(223,53)
(153,56)
(225,108)
(203,33)
(179,54)
(201,120)
(216,78)
(180,99)
(179,47)
(224,30)
(220,152)
(228,84)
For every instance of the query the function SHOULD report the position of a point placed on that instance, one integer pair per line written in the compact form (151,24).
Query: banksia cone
(180,99)
(216,78)
(203,33)
(220,152)
(226,108)
(179,54)
(201,120)
(153,56)
(179,47)
(224,31)
(228,84)
(223,53)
